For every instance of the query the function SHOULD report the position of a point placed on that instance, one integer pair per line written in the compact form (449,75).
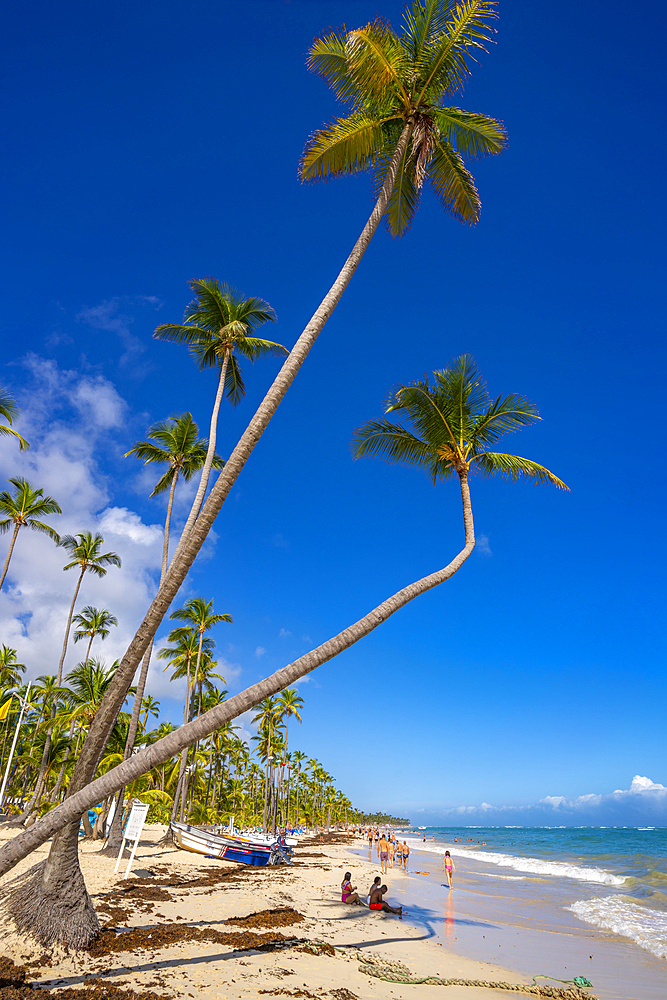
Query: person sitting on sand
(378,903)
(376,883)
(348,895)
(448,866)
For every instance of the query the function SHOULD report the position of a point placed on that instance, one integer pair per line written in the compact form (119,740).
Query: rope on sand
(396,972)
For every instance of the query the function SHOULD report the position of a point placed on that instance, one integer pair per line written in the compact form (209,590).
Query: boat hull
(197,841)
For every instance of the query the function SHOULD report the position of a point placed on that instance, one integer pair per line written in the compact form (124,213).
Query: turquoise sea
(561,900)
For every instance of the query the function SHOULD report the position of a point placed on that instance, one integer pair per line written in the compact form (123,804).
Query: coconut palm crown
(389,79)
(219,324)
(455,424)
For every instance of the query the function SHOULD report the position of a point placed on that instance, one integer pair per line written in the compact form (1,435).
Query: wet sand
(178,927)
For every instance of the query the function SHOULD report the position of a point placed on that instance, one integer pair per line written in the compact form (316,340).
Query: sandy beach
(176,928)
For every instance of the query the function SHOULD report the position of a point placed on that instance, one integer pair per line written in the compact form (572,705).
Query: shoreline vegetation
(186,925)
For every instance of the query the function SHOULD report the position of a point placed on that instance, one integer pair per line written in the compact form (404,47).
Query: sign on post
(132,831)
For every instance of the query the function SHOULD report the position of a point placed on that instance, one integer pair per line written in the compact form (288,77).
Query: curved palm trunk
(9,555)
(89,647)
(62,816)
(190,544)
(115,838)
(212,437)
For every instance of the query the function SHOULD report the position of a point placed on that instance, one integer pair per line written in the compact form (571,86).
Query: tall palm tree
(22,510)
(91,622)
(218,326)
(84,550)
(10,411)
(466,29)
(174,442)
(290,702)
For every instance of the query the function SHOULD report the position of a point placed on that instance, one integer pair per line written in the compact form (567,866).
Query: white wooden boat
(191,838)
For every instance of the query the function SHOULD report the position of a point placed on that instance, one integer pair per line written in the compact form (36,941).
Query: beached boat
(191,838)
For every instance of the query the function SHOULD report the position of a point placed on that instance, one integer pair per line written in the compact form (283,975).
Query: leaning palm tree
(218,327)
(22,510)
(10,411)
(91,622)
(454,35)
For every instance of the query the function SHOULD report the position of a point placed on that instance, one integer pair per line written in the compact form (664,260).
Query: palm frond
(446,63)
(258,348)
(45,529)
(515,467)
(405,196)
(469,133)
(10,432)
(378,64)
(504,416)
(385,439)
(164,483)
(179,333)
(463,385)
(9,408)
(327,57)
(346,146)
(234,384)
(424,25)
(454,186)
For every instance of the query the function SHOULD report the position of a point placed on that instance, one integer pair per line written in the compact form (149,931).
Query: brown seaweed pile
(283,916)
(166,935)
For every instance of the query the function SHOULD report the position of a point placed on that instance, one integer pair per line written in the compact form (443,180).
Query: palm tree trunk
(89,648)
(56,790)
(190,545)
(212,437)
(65,817)
(9,554)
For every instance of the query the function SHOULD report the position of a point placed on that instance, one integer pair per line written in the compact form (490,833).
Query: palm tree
(91,622)
(10,411)
(290,702)
(84,549)
(149,706)
(394,85)
(22,511)
(178,447)
(218,326)
(10,668)
(465,31)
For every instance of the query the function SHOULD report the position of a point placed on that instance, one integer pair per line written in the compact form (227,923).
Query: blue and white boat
(245,852)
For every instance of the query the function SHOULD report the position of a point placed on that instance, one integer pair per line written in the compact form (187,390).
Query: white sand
(194,969)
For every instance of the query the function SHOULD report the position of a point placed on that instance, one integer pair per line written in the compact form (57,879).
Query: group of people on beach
(388,849)
(373,901)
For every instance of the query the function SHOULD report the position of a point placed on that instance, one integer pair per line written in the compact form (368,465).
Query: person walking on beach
(448,866)
(384,854)
(347,893)
(378,903)
(370,839)
(392,850)
(406,855)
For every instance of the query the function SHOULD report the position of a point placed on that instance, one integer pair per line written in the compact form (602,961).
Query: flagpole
(24,702)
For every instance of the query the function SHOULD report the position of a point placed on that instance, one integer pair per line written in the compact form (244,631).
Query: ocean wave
(536,866)
(647,928)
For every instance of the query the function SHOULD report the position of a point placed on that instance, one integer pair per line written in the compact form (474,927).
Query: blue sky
(148,145)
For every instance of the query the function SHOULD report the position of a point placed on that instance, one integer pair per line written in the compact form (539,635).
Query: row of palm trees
(266,785)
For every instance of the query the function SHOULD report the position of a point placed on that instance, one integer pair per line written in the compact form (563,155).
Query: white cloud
(644,802)
(260,651)
(284,633)
(280,542)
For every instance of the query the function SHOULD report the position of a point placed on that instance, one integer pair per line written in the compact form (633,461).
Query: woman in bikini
(347,893)
(448,866)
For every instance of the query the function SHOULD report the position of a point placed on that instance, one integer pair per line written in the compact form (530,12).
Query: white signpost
(132,831)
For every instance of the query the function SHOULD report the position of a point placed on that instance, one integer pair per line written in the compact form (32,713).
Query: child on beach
(448,866)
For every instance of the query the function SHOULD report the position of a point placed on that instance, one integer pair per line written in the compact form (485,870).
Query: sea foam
(647,928)
(536,866)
